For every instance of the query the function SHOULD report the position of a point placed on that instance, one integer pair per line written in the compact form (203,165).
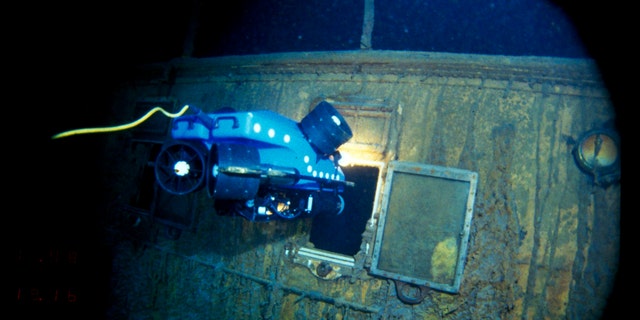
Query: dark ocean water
(516,27)
(509,27)
(152,31)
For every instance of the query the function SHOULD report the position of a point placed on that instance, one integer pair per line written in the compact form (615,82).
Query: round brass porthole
(597,153)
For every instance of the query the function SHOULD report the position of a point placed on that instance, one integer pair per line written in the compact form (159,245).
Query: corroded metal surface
(544,240)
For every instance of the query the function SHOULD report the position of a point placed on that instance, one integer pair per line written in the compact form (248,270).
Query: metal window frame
(429,171)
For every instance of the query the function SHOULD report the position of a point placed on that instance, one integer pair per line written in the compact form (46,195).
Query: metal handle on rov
(236,124)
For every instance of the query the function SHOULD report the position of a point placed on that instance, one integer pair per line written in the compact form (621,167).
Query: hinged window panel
(423,228)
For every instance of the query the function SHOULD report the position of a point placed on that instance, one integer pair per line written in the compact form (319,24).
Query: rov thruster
(258,164)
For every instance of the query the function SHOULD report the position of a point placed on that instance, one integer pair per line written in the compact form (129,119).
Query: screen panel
(424,224)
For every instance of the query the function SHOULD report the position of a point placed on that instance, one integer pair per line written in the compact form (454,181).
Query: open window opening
(342,234)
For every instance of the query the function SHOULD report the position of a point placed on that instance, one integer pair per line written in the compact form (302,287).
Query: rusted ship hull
(543,241)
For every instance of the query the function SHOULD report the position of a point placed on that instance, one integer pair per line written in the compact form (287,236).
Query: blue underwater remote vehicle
(258,164)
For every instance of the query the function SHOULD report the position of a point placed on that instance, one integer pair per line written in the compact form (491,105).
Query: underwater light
(345,159)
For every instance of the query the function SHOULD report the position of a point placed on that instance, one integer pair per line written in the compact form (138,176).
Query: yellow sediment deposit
(443,260)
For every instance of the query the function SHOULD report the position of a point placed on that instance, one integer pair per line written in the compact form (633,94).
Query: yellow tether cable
(123,126)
